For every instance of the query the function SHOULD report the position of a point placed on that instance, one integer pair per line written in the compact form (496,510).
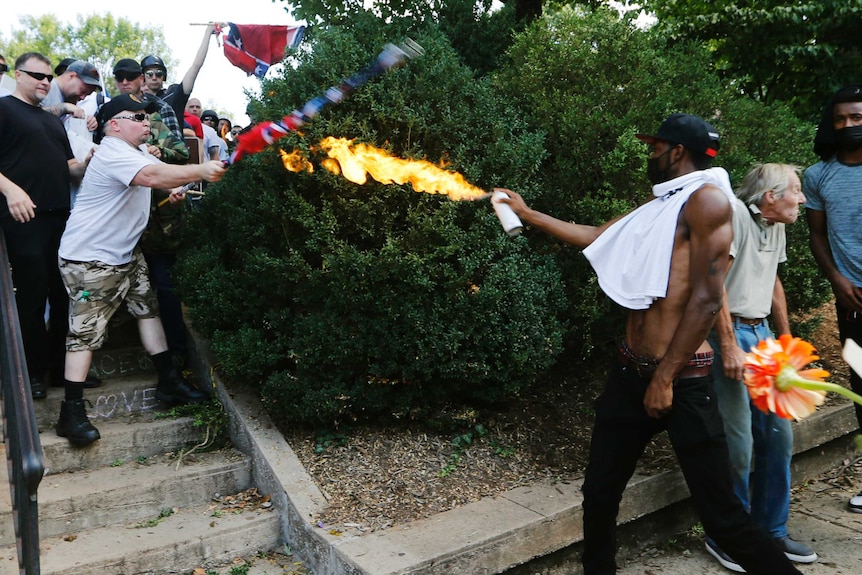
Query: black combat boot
(37,387)
(173,389)
(74,424)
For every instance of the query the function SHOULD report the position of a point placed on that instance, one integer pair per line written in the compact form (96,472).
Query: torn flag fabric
(254,48)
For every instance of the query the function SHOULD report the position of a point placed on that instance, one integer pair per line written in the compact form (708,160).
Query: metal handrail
(20,431)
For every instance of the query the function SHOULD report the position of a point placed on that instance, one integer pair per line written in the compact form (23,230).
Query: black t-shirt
(176,99)
(35,154)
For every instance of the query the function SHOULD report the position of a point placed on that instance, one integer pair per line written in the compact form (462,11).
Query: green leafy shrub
(358,302)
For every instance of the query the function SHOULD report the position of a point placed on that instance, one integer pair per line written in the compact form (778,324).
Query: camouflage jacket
(165,228)
(174,150)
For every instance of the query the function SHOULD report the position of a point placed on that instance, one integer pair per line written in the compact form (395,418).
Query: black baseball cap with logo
(122,103)
(690,131)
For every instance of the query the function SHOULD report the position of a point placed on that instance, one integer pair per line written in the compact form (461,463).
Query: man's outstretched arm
(579,235)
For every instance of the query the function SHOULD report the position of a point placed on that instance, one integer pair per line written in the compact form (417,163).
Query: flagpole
(265,133)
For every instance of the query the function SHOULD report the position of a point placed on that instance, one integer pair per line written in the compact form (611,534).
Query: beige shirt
(757,249)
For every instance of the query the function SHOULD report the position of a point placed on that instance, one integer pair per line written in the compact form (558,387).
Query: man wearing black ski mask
(833,189)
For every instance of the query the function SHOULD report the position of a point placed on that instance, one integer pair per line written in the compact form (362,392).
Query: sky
(219,84)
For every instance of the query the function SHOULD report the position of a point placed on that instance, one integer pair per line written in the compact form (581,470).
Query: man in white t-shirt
(211,139)
(101,265)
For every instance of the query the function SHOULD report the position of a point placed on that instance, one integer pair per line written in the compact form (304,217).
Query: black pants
(170,308)
(850,326)
(32,250)
(694,425)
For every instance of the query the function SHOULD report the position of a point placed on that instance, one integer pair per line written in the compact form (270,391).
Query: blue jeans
(765,489)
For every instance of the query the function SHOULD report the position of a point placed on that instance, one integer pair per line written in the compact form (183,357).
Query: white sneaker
(855,503)
(723,557)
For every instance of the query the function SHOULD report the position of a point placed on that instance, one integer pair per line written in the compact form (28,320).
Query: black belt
(749,321)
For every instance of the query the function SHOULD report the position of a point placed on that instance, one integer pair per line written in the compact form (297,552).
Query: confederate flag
(254,48)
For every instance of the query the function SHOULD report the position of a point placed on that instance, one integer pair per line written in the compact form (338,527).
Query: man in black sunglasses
(102,265)
(165,131)
(129,79)
(177,95)
(36,168)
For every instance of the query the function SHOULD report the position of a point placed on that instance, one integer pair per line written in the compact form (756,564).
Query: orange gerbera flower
(777,383)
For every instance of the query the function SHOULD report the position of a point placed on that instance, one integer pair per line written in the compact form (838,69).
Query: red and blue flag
(253,48)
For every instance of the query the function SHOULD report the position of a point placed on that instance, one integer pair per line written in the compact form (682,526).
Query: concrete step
(117,397)
(187,539)
(71,502)
(123,440)
(115,361)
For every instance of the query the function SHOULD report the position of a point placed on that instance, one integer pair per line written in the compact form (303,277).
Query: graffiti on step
(120,362)
(124,402)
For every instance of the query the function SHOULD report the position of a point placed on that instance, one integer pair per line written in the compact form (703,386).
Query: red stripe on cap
(711,153)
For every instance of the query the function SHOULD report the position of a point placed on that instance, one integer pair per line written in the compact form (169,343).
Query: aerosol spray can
(510,220)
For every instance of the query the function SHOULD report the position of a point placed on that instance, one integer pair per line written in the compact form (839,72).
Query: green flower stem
(788,377)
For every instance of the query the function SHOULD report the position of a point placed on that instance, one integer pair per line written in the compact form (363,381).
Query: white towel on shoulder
(632,257)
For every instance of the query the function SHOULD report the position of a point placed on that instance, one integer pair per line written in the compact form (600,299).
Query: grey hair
(763,178)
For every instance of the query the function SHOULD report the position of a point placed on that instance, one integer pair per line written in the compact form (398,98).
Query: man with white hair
(768,199)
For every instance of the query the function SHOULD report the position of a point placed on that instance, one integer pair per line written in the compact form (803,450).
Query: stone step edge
(190,538)
(121,441)
(73,502)
(497,533)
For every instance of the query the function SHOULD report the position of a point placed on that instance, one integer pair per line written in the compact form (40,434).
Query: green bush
(590,81)
(359,302)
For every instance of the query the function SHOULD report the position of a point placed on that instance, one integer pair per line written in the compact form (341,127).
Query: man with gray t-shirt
(833,187)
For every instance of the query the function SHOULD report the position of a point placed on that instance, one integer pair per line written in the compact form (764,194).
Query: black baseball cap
(61,67)
(690,131)
(128,65)
(125,102)
(209,115)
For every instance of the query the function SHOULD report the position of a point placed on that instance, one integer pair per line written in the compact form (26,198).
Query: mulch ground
(375,478)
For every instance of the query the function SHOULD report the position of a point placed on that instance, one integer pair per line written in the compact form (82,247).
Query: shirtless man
(666,263)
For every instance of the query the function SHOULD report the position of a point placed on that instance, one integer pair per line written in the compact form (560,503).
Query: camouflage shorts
(96,291)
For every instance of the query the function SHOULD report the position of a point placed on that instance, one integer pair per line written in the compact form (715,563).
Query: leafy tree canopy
(100,39)
(774,50)
(479,30)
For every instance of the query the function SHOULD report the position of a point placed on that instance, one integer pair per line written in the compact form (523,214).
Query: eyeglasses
(154,74)
(3,68)
(209,119)
(126,76)
(39,76)
(134,117)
